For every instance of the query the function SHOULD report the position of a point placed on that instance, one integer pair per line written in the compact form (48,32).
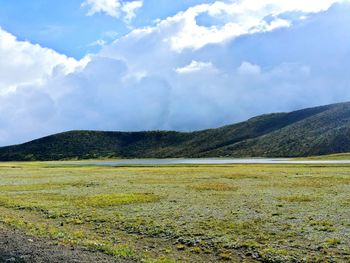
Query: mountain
(313,131)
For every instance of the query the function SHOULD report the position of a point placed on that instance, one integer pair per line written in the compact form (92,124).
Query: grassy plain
(184,213)
(329,157)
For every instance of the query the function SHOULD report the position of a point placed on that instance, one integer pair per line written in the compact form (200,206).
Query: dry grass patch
(34,201)
(299,183)
(239,176)
(35,187)
(49,201)
(215,187)
(298,198)
(105,200)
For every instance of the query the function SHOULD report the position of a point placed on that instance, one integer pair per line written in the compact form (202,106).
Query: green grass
(335,157)
(105,200)
(185,213)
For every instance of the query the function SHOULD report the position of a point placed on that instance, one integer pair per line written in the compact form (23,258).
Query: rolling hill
(313,131)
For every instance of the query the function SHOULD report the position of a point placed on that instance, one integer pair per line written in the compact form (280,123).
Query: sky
(166,65)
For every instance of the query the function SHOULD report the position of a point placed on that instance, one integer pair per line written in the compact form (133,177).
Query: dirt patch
(20,248)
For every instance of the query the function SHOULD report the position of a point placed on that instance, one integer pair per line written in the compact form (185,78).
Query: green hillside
(307,132)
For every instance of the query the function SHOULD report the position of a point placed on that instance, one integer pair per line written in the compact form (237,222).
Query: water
(206,161)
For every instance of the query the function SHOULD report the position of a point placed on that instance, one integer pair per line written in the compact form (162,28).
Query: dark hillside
(313,131)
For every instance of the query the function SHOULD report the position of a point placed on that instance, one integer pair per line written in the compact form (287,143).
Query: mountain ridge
(311,131)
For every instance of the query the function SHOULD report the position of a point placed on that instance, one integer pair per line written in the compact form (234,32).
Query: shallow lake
(206,161)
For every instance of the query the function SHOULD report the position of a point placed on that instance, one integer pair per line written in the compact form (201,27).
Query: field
(330,157)
(184,213)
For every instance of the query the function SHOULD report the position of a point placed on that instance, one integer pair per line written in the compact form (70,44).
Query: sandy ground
(18,247)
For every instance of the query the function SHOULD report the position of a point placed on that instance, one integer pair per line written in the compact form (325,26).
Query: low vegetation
(329,157)
(184,213)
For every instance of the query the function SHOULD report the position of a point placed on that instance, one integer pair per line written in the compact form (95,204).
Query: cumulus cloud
(113,8)
(196,66)
(23,63)
(143,82)
(109,7)
(237,18)
(129,8)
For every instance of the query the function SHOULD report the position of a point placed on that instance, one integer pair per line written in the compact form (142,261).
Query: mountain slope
(324,133)
(313,131)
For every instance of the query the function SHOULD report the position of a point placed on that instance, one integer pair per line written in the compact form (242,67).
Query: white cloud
(247,68)
(23,63)
(109,7)
(113,8)
(278,6)
(129,8)
(242,17)
(99,42)
(196,66)
(27,106)
(110,34)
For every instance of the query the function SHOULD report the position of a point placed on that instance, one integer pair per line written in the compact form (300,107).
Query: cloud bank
(23,63)
(177,75)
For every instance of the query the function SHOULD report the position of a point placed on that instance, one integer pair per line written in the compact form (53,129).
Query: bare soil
(15,246)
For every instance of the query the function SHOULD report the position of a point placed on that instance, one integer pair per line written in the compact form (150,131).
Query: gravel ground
(18,247)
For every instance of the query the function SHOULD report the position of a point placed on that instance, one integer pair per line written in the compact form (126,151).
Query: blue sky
(165,65)
(64,26)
